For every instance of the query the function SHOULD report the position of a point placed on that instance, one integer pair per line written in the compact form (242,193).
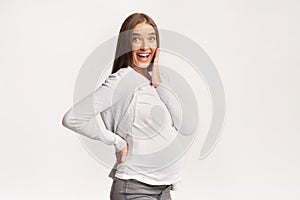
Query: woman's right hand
(121,155)
(155,78)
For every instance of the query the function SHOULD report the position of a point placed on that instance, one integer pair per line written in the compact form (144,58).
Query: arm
(81,118)
(166,94)
(170,99)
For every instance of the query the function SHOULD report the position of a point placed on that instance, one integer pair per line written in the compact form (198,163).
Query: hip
(123,189)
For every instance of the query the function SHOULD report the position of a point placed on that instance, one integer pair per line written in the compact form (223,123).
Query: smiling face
(144,45)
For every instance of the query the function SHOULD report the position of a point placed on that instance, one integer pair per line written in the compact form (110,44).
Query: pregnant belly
(152,128)
(147,141)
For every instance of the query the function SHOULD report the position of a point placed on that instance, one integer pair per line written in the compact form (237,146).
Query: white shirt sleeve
(81,118)
(171,100)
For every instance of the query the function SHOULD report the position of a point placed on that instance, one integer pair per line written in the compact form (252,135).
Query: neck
(142,71)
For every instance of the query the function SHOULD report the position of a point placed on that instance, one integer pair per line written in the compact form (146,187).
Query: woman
(141,113)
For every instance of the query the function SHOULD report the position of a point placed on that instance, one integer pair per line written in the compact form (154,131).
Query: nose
(144,45)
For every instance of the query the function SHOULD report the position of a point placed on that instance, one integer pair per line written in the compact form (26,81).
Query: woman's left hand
(156,80)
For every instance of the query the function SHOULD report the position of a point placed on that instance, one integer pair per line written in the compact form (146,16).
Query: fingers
(156,55)
(156,80)
(124,153)
(121,155)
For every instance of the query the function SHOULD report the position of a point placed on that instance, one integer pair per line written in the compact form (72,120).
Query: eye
(136,39)
(152,38)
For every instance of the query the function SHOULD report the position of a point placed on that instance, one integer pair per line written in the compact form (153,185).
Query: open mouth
(143,57)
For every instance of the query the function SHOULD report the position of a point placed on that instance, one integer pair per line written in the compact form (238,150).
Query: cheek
(153,45)
(133,55)
(153,51)
(135,47)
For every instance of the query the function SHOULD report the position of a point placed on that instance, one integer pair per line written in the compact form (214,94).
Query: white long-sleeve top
(137,114)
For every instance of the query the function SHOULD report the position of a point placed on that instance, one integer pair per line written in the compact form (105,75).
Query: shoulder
(114,78)
(120,73)
(165,78)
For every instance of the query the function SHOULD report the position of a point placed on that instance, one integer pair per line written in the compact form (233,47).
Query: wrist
(155,84)
(120,143)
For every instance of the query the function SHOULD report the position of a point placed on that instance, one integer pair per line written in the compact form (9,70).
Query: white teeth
(143,54)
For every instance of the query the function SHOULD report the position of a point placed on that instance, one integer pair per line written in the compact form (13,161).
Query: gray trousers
(135,190)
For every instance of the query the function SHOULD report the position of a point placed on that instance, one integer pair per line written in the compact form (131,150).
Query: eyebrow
(140,34)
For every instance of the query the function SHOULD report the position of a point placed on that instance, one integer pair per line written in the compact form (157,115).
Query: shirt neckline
(141,74)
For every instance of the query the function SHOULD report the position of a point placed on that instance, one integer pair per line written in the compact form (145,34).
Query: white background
(254,45)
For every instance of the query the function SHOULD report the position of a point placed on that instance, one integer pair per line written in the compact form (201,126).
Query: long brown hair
(123,56)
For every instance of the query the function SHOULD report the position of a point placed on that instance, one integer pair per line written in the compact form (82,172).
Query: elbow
(74,123)
(66,120)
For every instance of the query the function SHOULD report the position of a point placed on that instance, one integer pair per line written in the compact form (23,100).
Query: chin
(143,65)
